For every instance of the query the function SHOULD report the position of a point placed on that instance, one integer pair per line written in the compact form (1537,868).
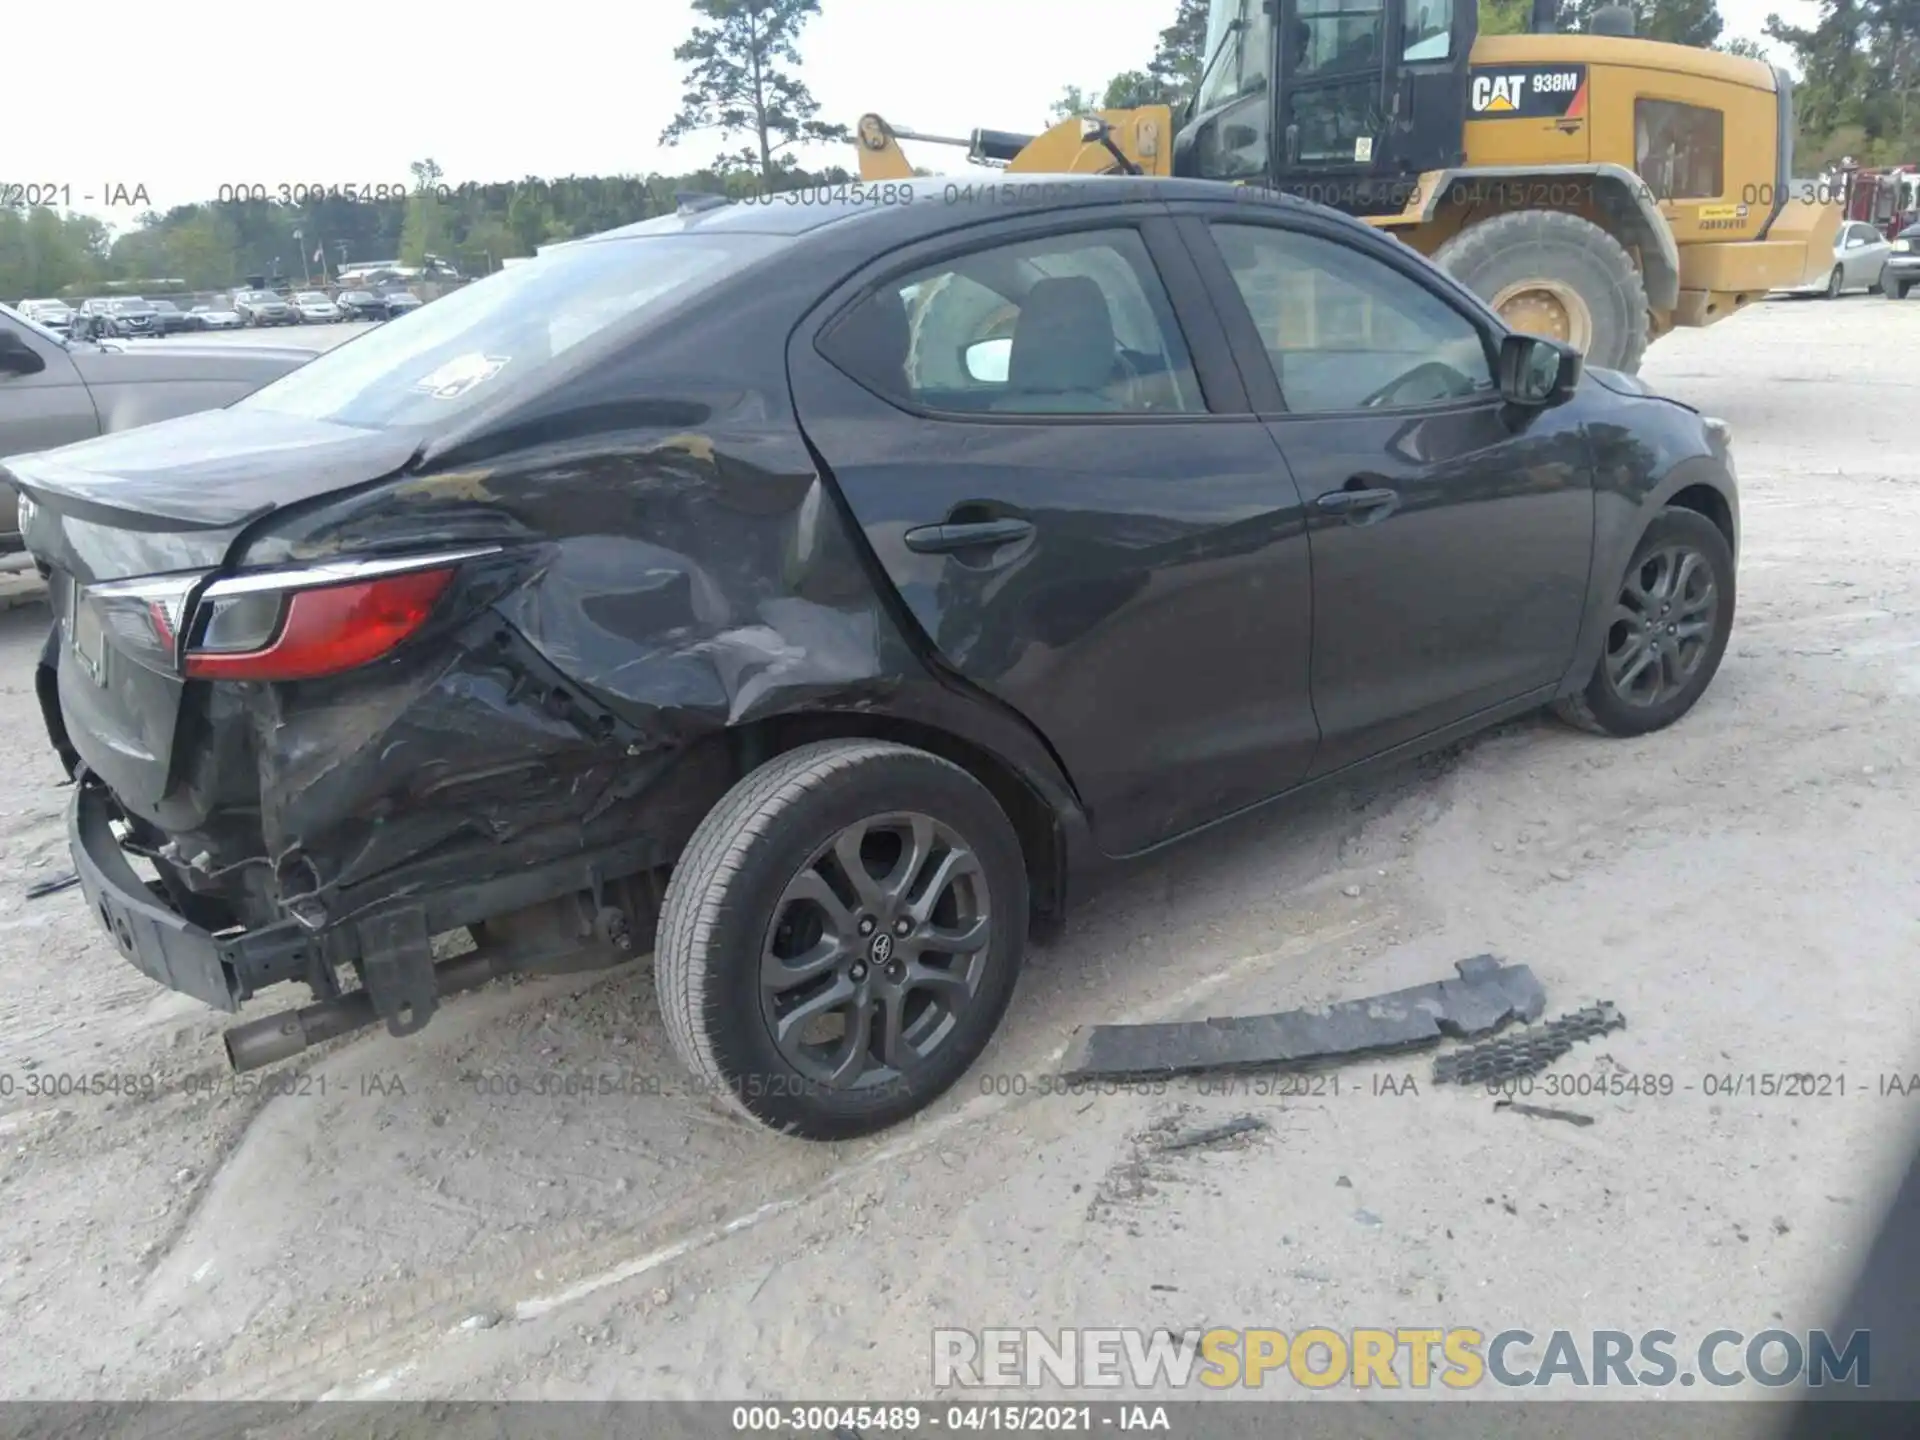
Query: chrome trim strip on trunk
(340,572)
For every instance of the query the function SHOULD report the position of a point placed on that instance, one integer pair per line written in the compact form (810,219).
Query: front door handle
(1368,505)
(945,539)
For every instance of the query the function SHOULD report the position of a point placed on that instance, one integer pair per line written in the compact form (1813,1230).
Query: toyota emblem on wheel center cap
(881,950)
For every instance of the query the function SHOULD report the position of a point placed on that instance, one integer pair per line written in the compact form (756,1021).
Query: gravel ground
(411,1218)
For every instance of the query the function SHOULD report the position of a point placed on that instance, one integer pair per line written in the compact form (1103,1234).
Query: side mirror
(987,361)
(1536,371)
(16,356)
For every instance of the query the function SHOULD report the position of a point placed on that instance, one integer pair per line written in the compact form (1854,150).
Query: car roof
(931,205)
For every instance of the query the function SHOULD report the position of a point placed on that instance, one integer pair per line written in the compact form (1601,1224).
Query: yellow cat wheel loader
(1597,187)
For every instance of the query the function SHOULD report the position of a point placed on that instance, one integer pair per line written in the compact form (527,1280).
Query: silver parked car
(217,317)
(55,391)
(56,315)
(314,308)
(264,307)
(1859,255)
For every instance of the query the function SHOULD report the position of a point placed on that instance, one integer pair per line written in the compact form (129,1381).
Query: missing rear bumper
(555,918)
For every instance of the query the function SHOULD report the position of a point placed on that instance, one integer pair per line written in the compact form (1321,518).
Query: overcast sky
(579,87)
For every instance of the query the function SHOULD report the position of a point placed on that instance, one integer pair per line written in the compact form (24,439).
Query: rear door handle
(1374,504)
(945,539)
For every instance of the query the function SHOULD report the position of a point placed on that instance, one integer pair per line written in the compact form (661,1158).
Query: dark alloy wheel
(841,937)
(875,951)
(1667,630)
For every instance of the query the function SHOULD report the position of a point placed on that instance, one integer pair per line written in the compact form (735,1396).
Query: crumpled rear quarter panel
(658,587)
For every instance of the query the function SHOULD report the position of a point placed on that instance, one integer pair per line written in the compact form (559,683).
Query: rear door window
(1074,324)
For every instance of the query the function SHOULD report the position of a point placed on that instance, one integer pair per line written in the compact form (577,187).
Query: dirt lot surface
(417,1218)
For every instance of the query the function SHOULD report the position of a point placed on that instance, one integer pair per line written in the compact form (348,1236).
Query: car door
(1042,434)
(46,407)
(1867,252)
(1451,534)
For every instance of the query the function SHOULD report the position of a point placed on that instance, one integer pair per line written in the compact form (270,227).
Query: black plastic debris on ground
(1486,996)
(1215,1134)
(1543,1112)
(52,885)
(1512,1057)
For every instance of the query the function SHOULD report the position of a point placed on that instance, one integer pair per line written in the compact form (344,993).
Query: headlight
(1903,246)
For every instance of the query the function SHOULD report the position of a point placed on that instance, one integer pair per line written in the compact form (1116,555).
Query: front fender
(1638,472)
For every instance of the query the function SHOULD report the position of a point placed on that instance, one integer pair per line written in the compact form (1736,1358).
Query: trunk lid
(200,476)
(141,516)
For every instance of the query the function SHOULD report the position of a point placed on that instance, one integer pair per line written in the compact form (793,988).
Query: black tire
(1836,283)
(1502,250)
(727,894)
(1599,706)
(1895,289)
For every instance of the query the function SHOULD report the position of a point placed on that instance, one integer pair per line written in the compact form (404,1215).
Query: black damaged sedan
(815,595)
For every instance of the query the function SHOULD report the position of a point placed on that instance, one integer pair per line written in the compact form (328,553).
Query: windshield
(311,297)
(1239,56)
(128,307)
(445,358)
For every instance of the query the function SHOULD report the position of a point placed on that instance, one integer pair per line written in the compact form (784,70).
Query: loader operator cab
(1333,99)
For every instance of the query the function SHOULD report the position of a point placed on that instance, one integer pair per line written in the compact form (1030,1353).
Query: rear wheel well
(1042,845)
(1707,501)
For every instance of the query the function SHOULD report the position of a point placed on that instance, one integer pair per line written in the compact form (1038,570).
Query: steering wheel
(1451,381)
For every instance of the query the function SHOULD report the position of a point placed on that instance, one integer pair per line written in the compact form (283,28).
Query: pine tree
(1173,73)
(741,80)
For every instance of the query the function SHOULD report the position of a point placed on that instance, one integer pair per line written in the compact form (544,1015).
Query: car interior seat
(1064,355)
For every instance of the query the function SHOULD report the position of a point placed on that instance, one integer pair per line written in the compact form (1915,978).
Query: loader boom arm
(1106,142)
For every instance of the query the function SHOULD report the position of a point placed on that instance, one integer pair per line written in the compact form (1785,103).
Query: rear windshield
(459,351)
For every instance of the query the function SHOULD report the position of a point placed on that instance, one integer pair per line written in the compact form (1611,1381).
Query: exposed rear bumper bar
(388,941)
(159,942)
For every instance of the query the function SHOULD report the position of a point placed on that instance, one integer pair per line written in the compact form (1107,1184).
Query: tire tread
(1486,240)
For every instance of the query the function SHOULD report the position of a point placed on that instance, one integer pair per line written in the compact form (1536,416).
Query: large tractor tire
(1555,274)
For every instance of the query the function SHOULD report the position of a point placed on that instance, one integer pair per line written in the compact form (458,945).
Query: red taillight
(332,628)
